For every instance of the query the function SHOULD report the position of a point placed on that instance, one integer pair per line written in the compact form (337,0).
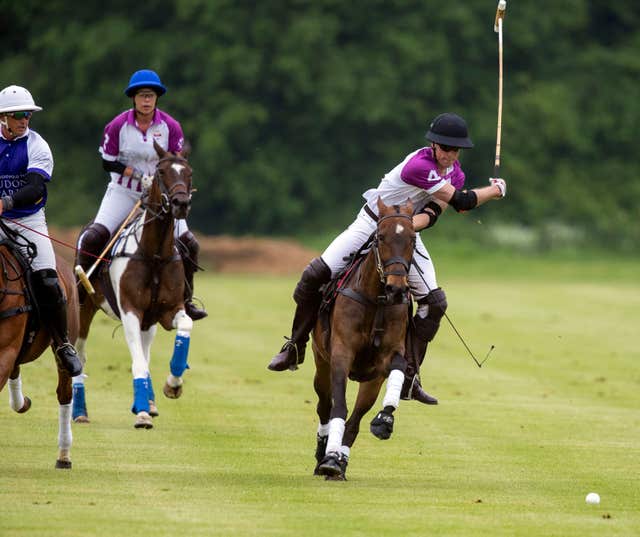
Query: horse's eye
(381,238)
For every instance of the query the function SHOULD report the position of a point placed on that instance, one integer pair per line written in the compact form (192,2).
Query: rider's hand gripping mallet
(84,276)
(497,27)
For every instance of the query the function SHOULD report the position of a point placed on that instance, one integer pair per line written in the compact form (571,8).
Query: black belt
(370,212)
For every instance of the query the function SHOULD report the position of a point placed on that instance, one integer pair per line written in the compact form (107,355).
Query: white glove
(137,174)
(501,184)
(146,182)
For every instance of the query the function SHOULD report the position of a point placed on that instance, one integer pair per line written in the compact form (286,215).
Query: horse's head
(393,247)
(172,182)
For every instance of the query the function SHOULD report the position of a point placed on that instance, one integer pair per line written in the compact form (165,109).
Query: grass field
(512,449)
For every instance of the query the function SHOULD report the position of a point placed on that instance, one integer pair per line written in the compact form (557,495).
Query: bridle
(395,260)
(167,194)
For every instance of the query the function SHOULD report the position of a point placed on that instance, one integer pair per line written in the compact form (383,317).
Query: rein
(381,301)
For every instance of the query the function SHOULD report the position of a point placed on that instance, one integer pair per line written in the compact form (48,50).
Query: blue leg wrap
(180,351)
(152,395)
(140,396)
(79,406)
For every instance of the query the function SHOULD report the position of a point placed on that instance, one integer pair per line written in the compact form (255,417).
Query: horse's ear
(161,152)
(381,206)
(186,150)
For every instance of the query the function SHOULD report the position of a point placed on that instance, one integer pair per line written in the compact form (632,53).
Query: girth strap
(380,303)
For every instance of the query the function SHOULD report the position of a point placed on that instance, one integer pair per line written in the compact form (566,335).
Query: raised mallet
(497,27)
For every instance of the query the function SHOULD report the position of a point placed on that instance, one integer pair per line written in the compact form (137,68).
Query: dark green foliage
(294,108)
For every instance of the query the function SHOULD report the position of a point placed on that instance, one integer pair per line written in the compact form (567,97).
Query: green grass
(512,449)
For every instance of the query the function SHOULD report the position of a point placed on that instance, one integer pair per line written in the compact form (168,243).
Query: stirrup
(194,311)
(299,356)
(280,364)
(68,357)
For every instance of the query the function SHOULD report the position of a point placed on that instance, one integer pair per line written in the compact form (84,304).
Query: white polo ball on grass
(593,498)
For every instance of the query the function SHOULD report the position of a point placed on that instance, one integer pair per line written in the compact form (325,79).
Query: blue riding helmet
(145,78)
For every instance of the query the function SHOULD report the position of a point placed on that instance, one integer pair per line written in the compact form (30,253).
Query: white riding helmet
(17,99)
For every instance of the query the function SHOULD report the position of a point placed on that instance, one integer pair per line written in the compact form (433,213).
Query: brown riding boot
(53,313)
(308,298)
(188,247)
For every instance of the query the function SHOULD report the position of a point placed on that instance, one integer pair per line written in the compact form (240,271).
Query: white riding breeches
(116,205)
(351,240)
(34,228)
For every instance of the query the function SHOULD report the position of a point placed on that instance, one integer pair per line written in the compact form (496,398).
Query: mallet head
(502,7)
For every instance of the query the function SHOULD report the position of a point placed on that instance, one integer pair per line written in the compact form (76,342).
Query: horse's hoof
(26,405)
(382,425)
(172,392)
(143,421)
(81,419)
(63,464)
(333,464)
(339,477)
(153,409)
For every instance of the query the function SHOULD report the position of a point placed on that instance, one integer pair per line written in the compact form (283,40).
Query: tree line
(294,107)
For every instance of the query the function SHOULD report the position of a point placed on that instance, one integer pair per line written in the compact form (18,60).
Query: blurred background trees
(294,108)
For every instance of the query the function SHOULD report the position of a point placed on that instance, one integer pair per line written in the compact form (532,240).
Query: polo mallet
(497,27)
(84,276)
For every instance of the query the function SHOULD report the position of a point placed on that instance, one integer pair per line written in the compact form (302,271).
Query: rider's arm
(117,167)
(30,193)
(464,200)
(429,215)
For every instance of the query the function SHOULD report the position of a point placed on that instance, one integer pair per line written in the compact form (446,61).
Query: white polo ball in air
(593,498)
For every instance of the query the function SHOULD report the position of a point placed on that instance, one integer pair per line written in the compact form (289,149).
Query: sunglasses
(448,148)
(21,115)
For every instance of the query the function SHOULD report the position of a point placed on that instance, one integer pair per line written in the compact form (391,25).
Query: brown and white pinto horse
(145,281)
(365,341)
(23,339)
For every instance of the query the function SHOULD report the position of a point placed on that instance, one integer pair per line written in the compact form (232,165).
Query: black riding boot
(411,388)
(53,313)
(188,247)
(308,298)
(418,337)
(91,242)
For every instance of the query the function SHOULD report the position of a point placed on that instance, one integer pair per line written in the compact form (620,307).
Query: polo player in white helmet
(26,165)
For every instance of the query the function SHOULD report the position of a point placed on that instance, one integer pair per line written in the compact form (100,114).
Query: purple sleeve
(419,171)
(111,137)
(176,137)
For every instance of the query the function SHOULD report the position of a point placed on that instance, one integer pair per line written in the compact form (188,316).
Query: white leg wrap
(323,430)
(336,432)
(16,399)
(79,379)
(345,450)
(65,437)
(394,386)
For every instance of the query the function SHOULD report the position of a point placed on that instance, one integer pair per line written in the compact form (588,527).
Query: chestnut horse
(23,338)
(144,284)
(364,340)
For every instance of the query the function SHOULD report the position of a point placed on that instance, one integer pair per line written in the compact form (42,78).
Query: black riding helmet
(449,129)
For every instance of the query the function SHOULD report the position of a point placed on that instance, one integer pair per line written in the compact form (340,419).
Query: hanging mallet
(84,276)
(497,27)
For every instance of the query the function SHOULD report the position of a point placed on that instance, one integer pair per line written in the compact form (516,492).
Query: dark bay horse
(364,340)
(23,338)
(144,284)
